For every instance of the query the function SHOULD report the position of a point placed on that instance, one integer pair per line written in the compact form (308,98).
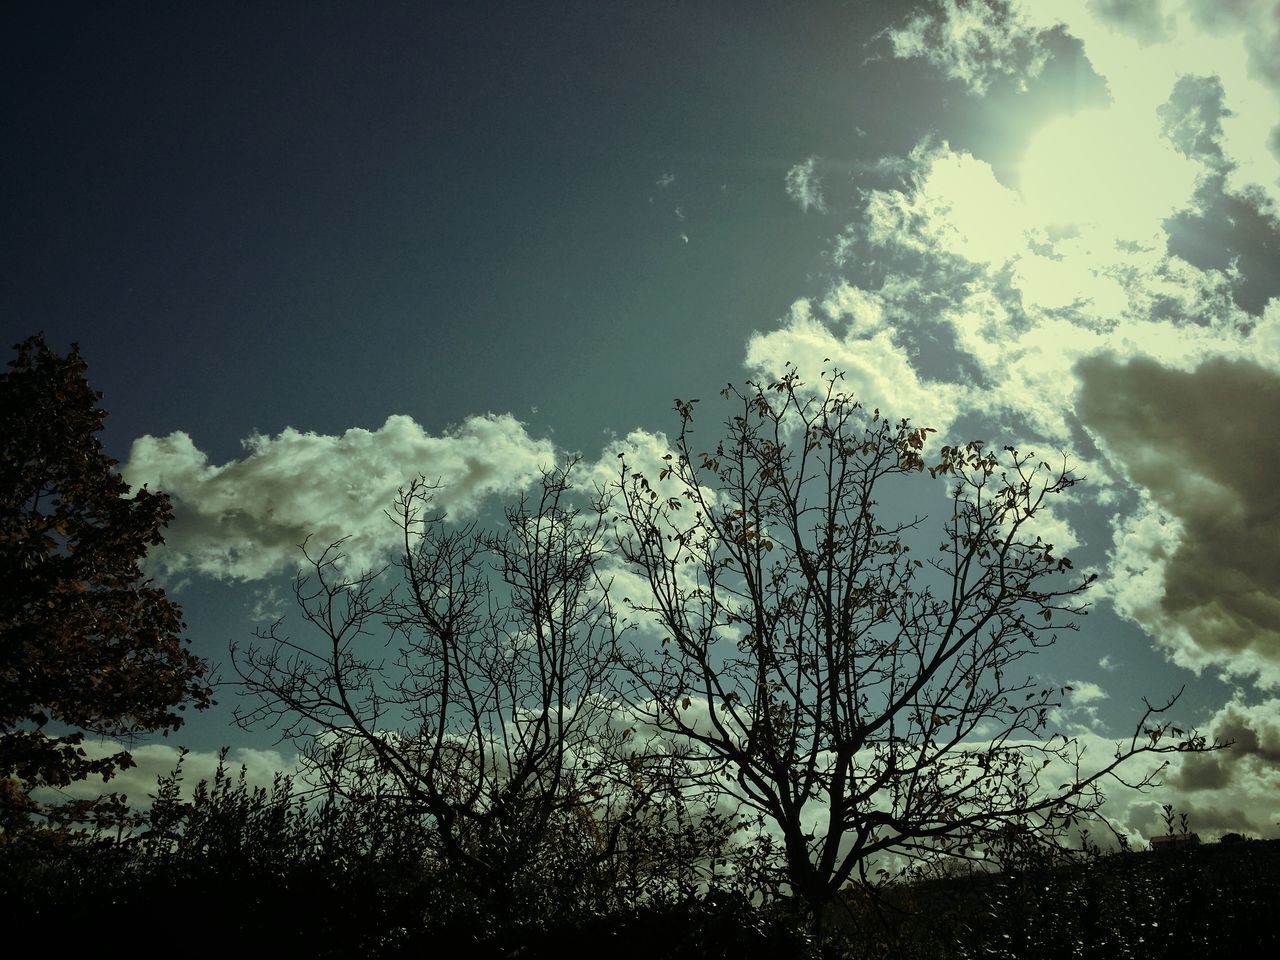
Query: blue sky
(312,251)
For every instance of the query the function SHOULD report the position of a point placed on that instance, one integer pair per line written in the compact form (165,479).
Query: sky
(311,251)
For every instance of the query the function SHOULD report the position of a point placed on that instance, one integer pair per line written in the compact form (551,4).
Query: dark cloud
(1206,446)
(1205,771)
(1222,788)
(1223,229)
(1192,117)
(1141,19)
(1250,735)
(1209,820)
(1257,18)
(1231,232)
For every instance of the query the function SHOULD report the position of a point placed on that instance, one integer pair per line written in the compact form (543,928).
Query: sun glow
(1104,169)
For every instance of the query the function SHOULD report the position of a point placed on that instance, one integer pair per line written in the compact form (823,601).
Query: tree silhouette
(493,722)
(845,678)
(86,644)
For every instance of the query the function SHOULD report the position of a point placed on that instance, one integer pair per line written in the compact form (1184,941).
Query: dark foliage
(346,874)
(840,663)
(485,799)
(342,874)
(1209,901)
(86,644)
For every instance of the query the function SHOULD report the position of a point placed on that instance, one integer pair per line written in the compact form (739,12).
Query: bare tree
(492,722)
(853,689)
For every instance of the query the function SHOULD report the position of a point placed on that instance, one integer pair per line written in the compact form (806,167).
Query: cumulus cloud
(977,42)
(851,335)
(1084,692)
(1061,307)
(1237,44)
(1231,790)
(1034,317)
(1140,47)
(976,264)
(244,520)
(1203,445)
(804,185)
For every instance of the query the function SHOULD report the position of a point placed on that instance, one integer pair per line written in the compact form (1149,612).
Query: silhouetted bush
(347,874)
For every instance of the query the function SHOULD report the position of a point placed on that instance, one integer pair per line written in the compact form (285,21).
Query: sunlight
(1106,169)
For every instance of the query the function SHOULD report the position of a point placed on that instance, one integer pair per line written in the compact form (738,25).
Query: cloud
(804,186)
(1232,790)
(1143,19)
(1237,44)
(1139,47)
(1106,170)
(1077,715)
(1191,119)
(1225,791)
(975,265)
(853,336)
(244,520)
(1203,445)
(1107,297)
(155,760)
(1085,692)
(1221,791)
(977,42)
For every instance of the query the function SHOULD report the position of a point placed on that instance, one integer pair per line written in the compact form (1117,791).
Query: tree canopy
(847,676)
(799,650)
(87,644)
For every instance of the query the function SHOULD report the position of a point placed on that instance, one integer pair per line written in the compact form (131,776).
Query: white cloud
(954,206)
(1085,692)
(852,339)
(1023,304)
(244,520)
(1063,318)
(1139,48)
(154,760)
(977,42)
(804,185)
(1108,169)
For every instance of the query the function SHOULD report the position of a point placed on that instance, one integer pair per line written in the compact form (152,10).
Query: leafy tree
(845,678)
(86,644)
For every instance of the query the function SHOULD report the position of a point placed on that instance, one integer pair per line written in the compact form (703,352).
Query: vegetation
(349,876)
(848,675)
(86,644)
(766,749)
(495,729)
